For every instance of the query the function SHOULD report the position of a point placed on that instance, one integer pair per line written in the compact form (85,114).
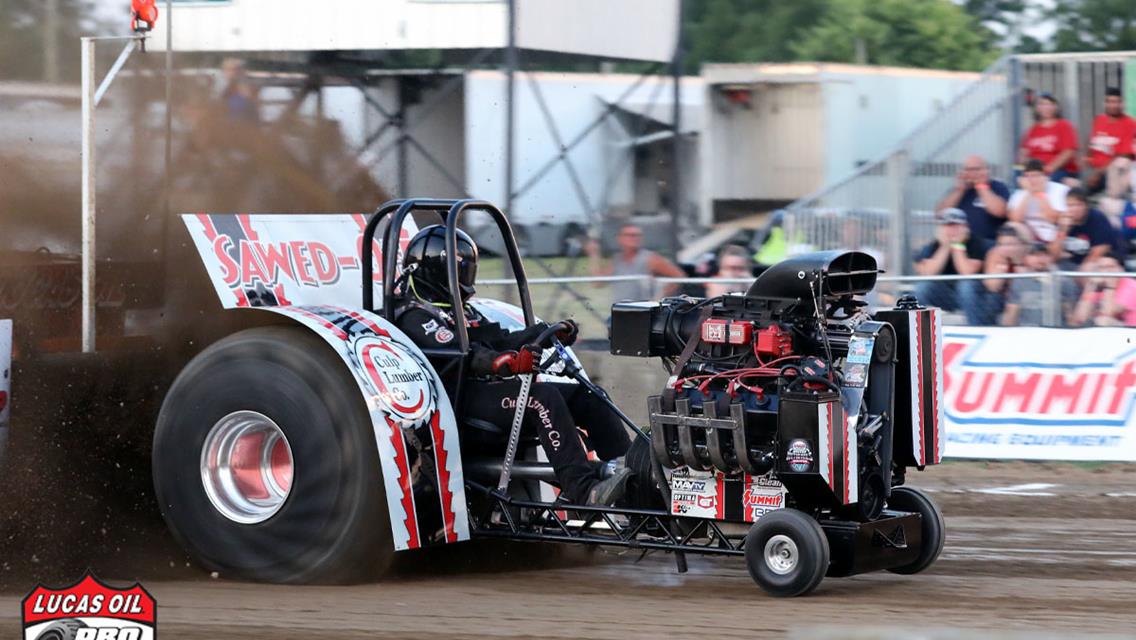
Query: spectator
(1110,142)
(1052,140)
(1106,302)
(1038,202)
(733,263)
(1025,300)
(1083,234)
(1006,256)
(953,251)
(240,97)
(633,260)
(982,199)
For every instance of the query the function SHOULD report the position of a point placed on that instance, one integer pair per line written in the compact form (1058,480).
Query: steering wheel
(550,332)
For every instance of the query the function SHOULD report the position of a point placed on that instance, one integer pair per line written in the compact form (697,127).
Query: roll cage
(449,361)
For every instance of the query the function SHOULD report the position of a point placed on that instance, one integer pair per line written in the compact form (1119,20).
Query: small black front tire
(933,527)
(787,553)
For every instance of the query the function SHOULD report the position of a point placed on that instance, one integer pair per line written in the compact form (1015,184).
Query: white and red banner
(1042,394)
(271,260)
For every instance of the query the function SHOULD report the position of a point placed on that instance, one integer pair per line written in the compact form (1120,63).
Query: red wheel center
(252,469)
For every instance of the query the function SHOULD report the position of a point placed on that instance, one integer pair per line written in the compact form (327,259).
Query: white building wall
(809,125)
(868,114)
(575,101)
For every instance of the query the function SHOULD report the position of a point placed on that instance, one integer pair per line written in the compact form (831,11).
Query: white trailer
(774,133)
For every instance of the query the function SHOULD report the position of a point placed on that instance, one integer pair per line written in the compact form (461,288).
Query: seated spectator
(1110,142)
(1083,234)
(733,263)
(1038,202)
(1052,140)
(1106,302)
(982,199)
(1026,297)
(1121,184)
(1006,256)
(953,251)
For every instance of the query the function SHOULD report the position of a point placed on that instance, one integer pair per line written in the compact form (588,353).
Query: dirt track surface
(1062,563)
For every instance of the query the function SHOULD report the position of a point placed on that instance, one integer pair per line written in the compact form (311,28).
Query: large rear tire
(933,527)
(787,553)
(265,464)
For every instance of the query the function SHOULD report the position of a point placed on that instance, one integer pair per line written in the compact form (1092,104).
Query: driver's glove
(567,336)
(511,363)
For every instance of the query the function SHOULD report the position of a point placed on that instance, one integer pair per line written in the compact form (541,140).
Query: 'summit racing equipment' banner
(308,267)
(1044,394)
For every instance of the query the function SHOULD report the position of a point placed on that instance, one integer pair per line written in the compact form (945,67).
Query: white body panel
(308,268)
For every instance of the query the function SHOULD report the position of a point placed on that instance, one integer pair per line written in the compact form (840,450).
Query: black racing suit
(555,410)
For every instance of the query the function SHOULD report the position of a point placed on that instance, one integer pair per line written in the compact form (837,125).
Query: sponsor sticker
(694,493)
(441,334)
(860,349)
(799,456)
(762,494)
(402,384)
(90,610)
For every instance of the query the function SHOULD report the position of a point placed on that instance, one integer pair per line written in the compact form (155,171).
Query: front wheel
(265,463)
(933,527)
(787,553)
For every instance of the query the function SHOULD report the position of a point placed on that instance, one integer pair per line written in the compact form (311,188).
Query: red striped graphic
(360,220)
(917,358)
(847,461)
(367,322)
(324,322)
(246,224)
(403,463)
(935,456)
(831,446)
(211,234)
(441,457)
(720,498)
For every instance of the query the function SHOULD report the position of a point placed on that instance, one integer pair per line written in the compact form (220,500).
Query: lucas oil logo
(403,385)
(89,610)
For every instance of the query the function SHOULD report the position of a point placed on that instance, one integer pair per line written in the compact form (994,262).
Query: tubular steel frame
(550,526)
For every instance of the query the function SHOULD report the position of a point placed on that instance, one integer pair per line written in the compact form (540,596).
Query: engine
(795,378)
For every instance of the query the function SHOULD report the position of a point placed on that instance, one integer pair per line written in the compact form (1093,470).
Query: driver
(497,357)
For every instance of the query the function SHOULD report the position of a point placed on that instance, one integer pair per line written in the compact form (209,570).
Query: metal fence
(1041,299)
(887,206)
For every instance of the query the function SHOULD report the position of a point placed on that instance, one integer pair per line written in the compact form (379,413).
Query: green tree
(747,30)
(935,34)
(24,37)
(1001,13)
(1094,25)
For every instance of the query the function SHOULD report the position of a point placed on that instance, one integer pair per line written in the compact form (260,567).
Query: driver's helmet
(424,265)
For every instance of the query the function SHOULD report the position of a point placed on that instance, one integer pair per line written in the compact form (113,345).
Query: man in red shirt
(1110,141)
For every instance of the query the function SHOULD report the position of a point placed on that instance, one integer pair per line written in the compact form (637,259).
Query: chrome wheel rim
(246,467)
(781,554)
